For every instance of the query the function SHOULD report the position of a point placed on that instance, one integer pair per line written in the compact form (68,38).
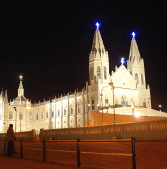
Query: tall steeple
(21,89)
(98,60)
(135,64)
(6,97)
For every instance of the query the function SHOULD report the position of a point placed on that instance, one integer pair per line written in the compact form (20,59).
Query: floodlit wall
(28,135)
(142,131)
(97,119)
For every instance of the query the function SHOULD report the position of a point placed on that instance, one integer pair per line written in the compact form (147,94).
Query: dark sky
(49,43)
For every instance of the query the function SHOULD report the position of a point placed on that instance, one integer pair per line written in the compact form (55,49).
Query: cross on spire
(133,34)
(97,24)
(122,61)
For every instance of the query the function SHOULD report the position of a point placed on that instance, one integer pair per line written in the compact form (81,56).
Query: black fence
(78,152)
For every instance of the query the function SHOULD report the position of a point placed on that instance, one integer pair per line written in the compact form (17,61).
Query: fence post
(5,147)
(21,148)
(78,153)
(44,158)
(133,153)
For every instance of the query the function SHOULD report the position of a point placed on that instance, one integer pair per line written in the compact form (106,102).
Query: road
(117,155)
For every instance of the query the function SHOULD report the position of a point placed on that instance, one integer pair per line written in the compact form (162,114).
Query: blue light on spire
(122,61)
(97,24)
(133,34)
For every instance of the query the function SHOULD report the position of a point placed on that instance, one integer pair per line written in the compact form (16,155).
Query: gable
(122,78)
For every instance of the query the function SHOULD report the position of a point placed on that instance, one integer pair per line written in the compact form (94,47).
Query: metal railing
(133,154)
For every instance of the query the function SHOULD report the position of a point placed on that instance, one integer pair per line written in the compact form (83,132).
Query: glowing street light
(21,77)
(160,107)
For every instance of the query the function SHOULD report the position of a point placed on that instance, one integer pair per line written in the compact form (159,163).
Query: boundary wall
(27,135)
(142,131)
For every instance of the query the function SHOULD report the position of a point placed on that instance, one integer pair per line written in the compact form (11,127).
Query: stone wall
(142,131)
(27,135)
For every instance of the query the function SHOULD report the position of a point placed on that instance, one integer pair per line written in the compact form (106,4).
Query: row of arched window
(99,72)
(137,78)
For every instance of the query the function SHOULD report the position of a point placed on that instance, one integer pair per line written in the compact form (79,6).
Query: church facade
(129,90)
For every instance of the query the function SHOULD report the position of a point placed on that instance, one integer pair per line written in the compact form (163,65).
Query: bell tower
(98,60)
(135,64)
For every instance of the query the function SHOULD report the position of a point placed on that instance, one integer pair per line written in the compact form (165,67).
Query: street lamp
(27,107)
(112,88)
(102,98)
(160,107)
(15,117)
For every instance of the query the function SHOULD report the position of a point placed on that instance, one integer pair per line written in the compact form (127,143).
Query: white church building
(130,96)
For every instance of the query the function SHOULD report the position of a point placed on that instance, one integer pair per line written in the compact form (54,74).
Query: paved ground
(151,155)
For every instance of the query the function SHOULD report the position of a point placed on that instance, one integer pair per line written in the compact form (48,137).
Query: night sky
(49,44)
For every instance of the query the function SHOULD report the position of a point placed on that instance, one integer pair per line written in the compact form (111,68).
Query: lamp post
(15,117)
(160,107)
(102,99)
(20,120)
(27,107)
(112,88)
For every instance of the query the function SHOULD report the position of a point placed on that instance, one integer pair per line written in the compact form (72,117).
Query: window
(37,117)
(98,72)
(123,80)
(136,78)
(65,111)
(30,116)
(79,109)
(105,73)
(142,80)
(58,113)
(20,116)
(72,110)
(47,115)
(106,101)
(41,115)
(91,73)
(10,116)
(93,105)
(53,113)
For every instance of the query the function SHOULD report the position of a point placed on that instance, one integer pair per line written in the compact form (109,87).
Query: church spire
(134,54)
(21,89)
(6,97)
(98,45)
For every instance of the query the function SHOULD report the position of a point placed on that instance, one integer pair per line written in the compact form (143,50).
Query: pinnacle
(97,42)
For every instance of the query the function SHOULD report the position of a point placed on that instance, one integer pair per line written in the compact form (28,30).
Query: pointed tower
(98,60)
(20,89)
(6,97)
(135,64)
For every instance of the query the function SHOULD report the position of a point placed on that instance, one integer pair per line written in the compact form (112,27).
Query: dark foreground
(151,155)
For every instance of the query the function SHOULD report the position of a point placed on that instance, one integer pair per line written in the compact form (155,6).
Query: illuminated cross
(97,24)
(122,61)
(133,34)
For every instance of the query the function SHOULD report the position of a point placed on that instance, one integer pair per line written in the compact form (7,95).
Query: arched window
(93,104)
(136,77)
(91,73)
(98,72)
(105,73)
(142,80)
